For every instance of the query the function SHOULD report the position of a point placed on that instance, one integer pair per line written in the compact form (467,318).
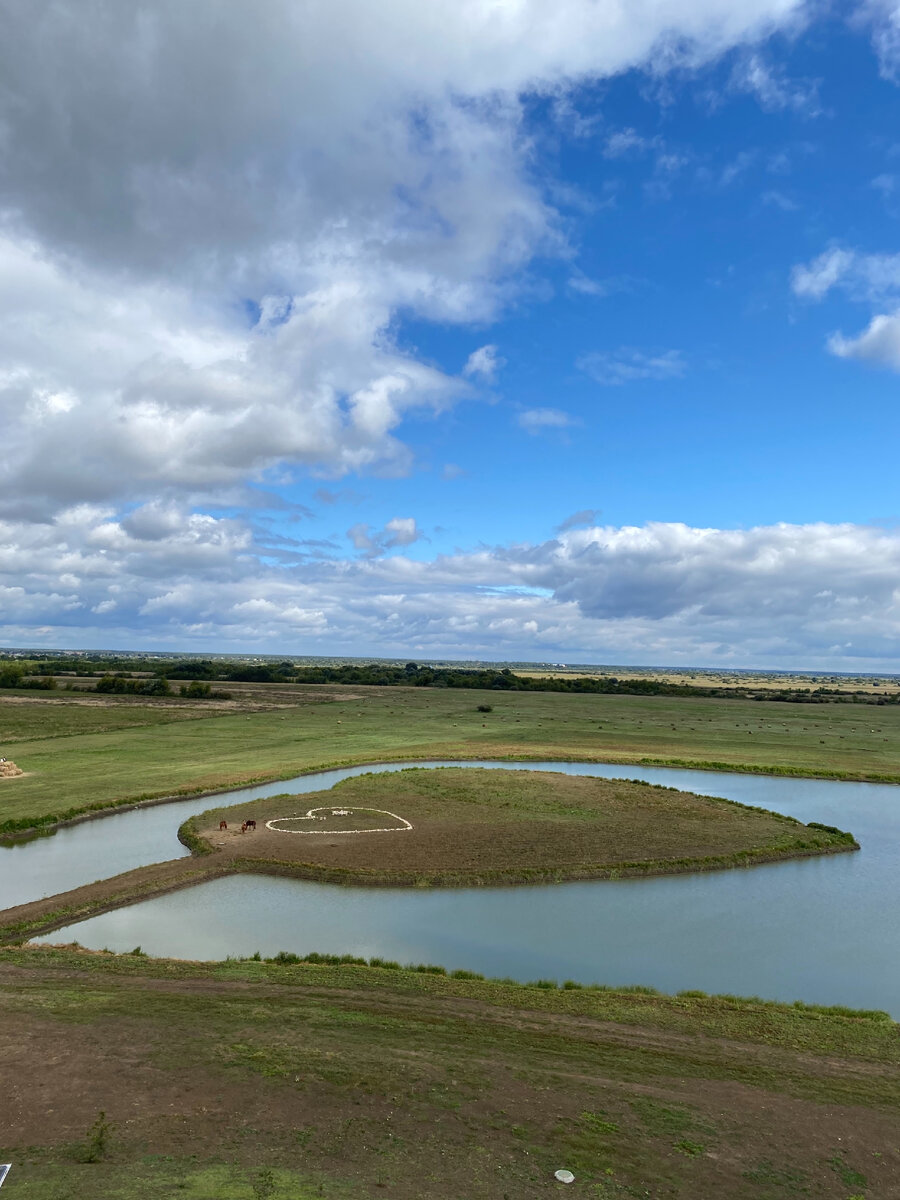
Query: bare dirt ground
(382,1093)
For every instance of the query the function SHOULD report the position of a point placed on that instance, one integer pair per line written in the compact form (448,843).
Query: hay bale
(8,769)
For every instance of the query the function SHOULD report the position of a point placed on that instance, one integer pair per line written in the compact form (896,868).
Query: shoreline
(47,826)
(288,968)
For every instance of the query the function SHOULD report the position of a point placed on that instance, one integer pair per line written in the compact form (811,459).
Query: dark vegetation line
(150,677)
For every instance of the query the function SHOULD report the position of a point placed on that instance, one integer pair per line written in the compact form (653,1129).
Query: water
(823,930)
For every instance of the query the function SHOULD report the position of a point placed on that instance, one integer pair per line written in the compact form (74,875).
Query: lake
(824,930)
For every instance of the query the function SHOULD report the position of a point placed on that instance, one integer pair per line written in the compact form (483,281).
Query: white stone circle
(277,823)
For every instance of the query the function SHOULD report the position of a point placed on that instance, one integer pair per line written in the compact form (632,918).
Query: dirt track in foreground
(377,1092)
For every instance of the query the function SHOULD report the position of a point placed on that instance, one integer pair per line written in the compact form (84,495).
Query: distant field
(157,752)
(875,685)
(471,827)
(255,1081)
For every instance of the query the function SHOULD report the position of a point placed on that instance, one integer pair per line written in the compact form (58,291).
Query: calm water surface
(823,930)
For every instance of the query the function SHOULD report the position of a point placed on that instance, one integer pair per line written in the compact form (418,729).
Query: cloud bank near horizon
(778,596)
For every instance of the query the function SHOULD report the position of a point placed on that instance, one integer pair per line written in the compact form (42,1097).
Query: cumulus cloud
(201,290)
(627,365)
(781,595)
(211,220)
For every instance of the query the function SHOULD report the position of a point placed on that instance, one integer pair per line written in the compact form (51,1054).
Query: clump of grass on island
(473,826)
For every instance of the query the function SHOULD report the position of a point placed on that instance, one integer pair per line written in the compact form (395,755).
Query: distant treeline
(150,676)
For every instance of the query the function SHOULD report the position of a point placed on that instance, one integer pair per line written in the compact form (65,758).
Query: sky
(556,330)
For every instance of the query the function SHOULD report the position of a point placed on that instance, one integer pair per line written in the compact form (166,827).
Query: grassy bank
(287,1081)
(160,750)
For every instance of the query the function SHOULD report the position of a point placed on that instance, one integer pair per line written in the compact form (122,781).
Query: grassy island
(453,827)
(462,826)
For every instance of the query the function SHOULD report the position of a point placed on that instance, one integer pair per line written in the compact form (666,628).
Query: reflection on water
(823,930)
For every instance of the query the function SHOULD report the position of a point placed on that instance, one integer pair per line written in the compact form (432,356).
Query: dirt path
(384,1091)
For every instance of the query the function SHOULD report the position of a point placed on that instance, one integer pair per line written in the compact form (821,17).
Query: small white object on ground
(277,825)
(564,1176)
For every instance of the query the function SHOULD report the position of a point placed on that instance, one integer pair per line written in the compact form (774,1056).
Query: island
(457,826)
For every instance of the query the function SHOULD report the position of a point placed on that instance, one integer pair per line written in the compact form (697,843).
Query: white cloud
(776,199)
(627,141)
(772,89)
(871,277)
(540,420)
(879,343)
(819,277)
(886,184)
(884,17)
(585,286)
(399,531)
(202,290)
(774,595)
(628,365)
(484,363)
(199,291)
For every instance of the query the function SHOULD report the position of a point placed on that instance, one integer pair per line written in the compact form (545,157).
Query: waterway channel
(824,930)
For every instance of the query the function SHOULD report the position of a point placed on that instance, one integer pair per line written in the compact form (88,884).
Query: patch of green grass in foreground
(70,772)
(169,1176)
(290,1080)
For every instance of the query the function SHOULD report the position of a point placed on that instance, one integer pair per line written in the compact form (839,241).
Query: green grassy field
(256,1081)
(248,1080)
(163,749)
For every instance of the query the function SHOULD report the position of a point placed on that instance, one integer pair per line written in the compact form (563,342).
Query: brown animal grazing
(223,824)
(244,827)
(251,823)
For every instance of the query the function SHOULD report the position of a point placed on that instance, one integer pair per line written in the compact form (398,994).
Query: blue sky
(571,333)
(682,243)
